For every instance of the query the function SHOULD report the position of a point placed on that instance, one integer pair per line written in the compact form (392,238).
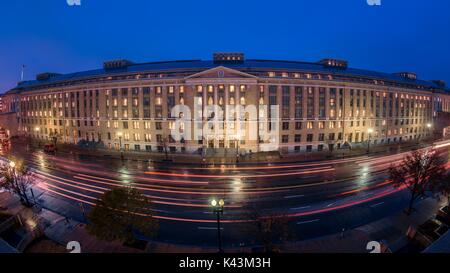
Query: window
(298,138)
(284,138)
(135,124)
(285,126)
(309,138)
(321,137)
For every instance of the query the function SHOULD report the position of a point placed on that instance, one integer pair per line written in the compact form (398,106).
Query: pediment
(220,72)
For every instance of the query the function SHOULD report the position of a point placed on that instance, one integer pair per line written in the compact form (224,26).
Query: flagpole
(22,73)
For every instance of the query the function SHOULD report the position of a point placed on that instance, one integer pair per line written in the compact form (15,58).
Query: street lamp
(238,142)
(37,129)
(217,207)
(120,144)
(369,131)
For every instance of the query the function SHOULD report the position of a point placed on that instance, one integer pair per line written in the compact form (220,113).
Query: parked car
(49,148)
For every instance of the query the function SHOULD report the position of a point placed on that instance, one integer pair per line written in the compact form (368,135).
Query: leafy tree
(268,230)
(17,177)
(419,172)
(119,214)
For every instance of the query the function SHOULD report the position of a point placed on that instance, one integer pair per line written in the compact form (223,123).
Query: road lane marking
(293,196)
(377,204)
(305,207)
(331,204)
(308,222)
(208,228)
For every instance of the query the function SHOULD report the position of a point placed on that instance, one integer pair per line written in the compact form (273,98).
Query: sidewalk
(60,229)
(255,158)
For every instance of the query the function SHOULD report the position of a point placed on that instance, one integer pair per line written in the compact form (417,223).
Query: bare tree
(442,186)
(419,172)
(17,178)
(268,229)
(54,137)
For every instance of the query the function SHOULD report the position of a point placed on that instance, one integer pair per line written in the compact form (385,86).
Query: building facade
(317,106)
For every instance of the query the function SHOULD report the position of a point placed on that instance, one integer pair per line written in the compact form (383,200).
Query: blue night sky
(49,35)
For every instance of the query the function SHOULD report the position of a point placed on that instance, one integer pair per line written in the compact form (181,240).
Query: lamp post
(120,144)
(37,129)
(369,131)
(12,164)
(237,147)
(429,125)
(217,207)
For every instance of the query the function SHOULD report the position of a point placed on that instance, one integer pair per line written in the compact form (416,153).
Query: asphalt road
(318,198)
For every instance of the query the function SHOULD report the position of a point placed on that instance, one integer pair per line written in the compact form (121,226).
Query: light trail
(241,176)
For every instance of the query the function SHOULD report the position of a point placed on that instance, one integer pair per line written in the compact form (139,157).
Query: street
(320,198)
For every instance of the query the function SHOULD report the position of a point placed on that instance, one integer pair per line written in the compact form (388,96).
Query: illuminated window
(135,124)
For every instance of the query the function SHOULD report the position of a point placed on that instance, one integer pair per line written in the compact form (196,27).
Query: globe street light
(369,131)
(217,206)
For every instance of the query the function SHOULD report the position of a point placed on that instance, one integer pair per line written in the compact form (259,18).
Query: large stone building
(323,105)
